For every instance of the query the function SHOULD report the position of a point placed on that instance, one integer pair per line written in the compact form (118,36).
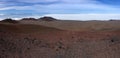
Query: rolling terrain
(60,39)
(77,25)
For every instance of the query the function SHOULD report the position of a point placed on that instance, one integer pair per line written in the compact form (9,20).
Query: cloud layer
(42,7)
(85,17)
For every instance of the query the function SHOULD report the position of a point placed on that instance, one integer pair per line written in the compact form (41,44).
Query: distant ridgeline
(41,19)
(10,20)
(47,19)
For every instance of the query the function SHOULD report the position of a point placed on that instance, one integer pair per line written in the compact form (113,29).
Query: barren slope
(25,28)
(29,40)
(78,25)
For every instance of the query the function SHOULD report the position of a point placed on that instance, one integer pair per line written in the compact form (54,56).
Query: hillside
(78,25)
(25,28)
(60,39)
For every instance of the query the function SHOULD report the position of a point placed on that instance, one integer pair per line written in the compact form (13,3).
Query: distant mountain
(33,19)
(53,38)
(9,20)
(47,19)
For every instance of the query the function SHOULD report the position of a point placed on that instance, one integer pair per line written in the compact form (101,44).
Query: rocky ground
(39,41)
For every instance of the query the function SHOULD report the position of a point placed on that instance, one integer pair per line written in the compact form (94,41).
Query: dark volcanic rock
(47,19)
(29,19)
(9,20)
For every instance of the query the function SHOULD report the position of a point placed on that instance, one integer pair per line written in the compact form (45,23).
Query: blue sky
(62,9)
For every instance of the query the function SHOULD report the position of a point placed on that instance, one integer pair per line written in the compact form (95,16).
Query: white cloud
(85,16)
(46,1)
(63,1)
(37,1)
(62,7)
(81,6)
(79,1)
(68,6)
(6,8)
(2,4)
(2,14)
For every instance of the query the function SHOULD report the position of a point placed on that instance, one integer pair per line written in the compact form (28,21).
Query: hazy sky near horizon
(62,9)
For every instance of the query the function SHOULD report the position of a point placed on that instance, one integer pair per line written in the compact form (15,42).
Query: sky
(61,9)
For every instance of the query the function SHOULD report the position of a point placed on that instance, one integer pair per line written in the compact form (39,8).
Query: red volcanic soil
(25,28)
(37,41)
